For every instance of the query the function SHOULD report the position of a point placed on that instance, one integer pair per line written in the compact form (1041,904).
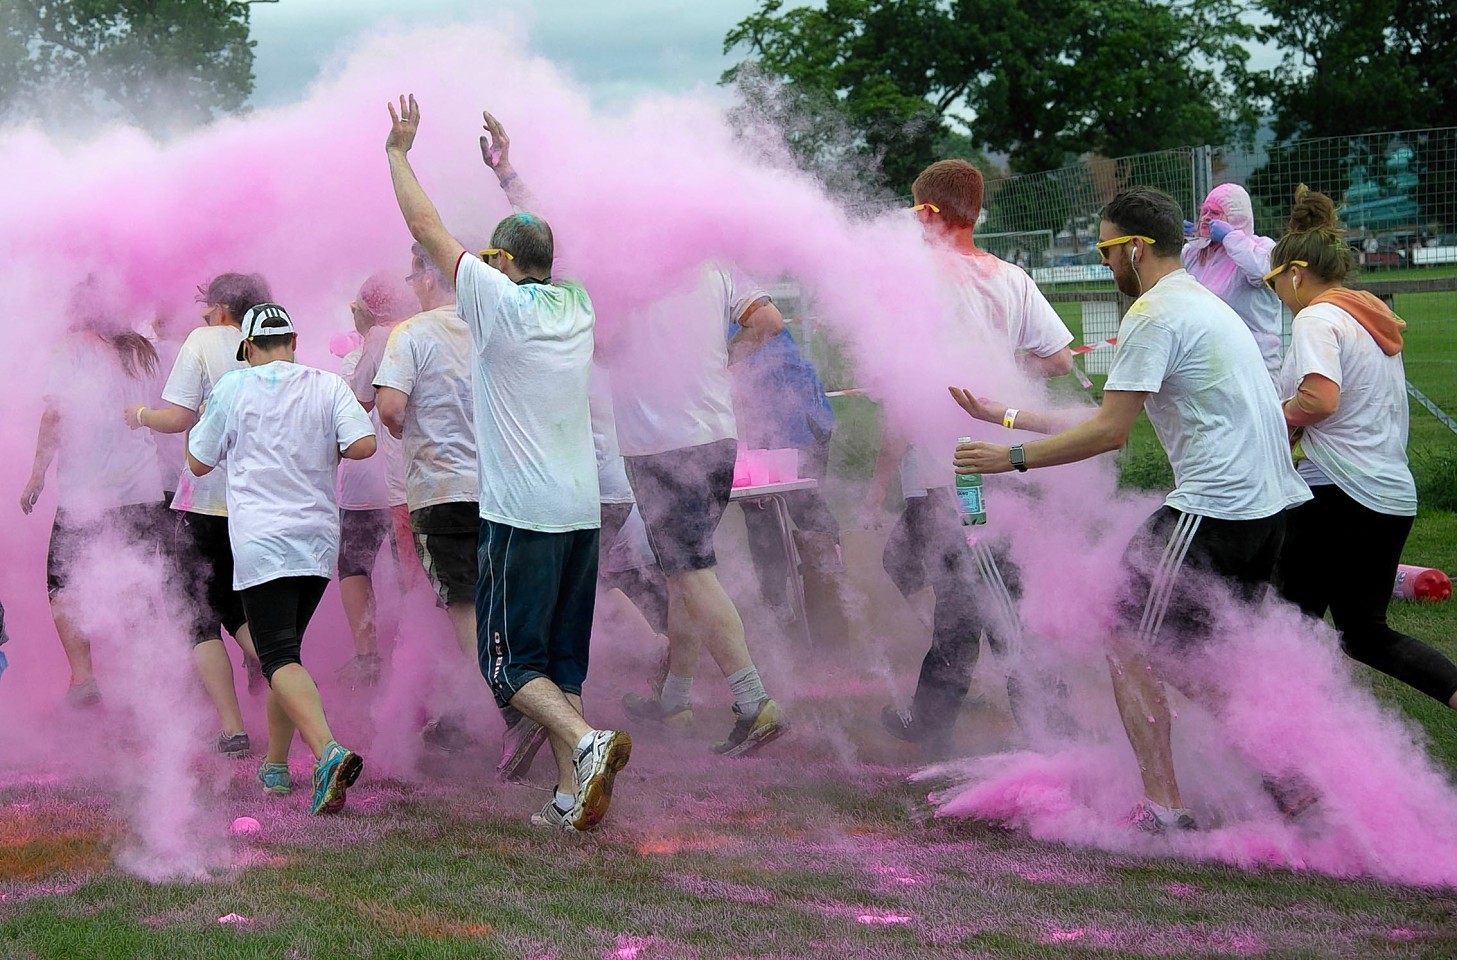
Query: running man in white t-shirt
(1187,359)
(280,428)
(107,479)
(1345,385)
(532,356)
(927,547)
(201,549)
(369,489)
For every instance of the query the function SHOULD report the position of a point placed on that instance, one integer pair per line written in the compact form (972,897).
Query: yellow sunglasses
(496,252)
(925,206)
(1102,245)
(1270,277)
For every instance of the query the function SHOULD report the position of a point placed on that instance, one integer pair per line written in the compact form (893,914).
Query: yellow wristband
(1009,419)
(141,410)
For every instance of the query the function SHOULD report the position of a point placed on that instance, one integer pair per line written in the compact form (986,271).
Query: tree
(1042,80)
(160,64)
(1360,66)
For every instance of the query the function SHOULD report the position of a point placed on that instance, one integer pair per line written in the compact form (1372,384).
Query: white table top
(770,489)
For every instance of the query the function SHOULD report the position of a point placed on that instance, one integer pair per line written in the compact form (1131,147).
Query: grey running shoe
(752,730)
(446,735)
(235,746)
(597,766)
(554,817)
(82,695)
(1145,820)
(639,707)
(519,745)
(361,670)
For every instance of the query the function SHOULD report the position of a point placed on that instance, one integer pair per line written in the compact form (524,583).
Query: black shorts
(204,558)
(279,612)
(534,607)
(682,495)
(446,536)
(146,524)
(1180,566)
(361,533)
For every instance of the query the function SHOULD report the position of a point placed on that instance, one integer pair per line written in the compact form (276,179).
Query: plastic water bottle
(1421,583)
(969,496)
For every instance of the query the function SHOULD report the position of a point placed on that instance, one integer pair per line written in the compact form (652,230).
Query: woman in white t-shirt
(108,484)
(1346,389)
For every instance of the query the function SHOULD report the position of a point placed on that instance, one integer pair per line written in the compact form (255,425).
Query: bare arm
(198,468)
(391,406)
(169,419)
(1033,421)
(47,441)
(421,217)
(361,449)
(761,322)
(1106,430)
(496,153)
(893,447)
(1058,365)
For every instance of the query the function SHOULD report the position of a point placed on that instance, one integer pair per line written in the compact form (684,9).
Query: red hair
(953,185)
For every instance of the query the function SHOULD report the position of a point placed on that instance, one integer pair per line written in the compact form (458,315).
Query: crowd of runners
(522,459)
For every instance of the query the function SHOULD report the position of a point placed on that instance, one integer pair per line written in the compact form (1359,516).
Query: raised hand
(495,145)
(404,124)
(978,408)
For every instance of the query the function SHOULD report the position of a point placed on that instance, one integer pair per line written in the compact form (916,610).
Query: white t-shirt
(428,357)
(1211,401)
(100,464)
(206,356)
(987,291)
(280,427)
(362,483)
(670,380)
(611,471)
(1361,448)
(533,357)
(391,451)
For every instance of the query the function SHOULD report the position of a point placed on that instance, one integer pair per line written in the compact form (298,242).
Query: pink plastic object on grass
(1421,583)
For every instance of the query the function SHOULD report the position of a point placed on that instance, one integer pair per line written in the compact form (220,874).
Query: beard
(1126,280)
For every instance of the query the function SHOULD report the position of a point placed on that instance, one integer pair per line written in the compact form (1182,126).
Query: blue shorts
(534,602)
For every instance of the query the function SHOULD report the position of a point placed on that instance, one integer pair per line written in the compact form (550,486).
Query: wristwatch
(1018,458)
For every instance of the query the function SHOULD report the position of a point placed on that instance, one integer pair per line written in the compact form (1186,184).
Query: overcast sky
(614,48)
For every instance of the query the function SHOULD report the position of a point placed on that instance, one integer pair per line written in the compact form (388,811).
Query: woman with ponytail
(108,483)
(1346,406)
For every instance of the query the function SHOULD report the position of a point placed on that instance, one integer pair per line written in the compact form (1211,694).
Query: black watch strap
(1018,458)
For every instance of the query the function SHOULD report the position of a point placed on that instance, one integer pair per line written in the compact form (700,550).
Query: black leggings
(278,612)
(1341,556)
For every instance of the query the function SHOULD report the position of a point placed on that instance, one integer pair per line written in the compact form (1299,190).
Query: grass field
(820,848)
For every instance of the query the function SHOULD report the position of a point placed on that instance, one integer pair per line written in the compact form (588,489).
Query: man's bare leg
(701,613)
(1144,707)
(357,594)
(73,642)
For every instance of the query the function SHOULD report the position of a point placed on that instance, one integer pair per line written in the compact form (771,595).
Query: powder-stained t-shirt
(362,483)
(100,464)
(532,359)
(206,356)
(669,364)
(1211,402)
(428,358)
(391,453)
(1361,448)
(280,428)
(987,292)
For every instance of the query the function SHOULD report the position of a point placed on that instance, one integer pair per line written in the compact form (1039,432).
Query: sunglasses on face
(1102,246)
(1270,277)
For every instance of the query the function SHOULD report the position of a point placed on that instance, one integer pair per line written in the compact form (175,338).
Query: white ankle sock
(747,689)
(586,742)
(677,693)
(564,801)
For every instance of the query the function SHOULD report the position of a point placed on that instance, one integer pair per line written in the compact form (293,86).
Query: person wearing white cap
(281,428)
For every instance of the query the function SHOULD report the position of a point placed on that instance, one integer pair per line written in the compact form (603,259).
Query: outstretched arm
(1033,421)
(169,419)
(1105,430)
(420,214)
